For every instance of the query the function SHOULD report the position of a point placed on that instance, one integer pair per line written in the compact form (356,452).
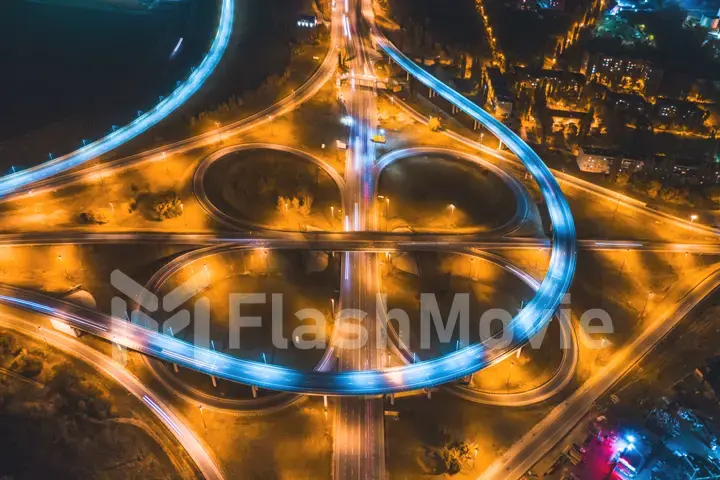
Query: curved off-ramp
(178,97)
(118,373)
(560,378)
(297,97)
(261,405)
(230,221)
(524,204)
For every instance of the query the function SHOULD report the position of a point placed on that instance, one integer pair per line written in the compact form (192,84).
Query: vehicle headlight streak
(144,122)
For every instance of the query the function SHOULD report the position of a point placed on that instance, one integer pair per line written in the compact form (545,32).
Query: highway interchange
(359,441)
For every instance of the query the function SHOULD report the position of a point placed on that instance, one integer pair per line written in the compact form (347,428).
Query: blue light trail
(145,121)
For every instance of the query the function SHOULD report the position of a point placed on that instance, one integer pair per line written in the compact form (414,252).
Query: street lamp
(217,126)
(650,295)
(693,218)
(507,385)
(203,417)
(40,330)
(64,268)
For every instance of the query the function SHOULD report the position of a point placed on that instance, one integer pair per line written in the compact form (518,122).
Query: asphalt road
(359,441)
(118,373)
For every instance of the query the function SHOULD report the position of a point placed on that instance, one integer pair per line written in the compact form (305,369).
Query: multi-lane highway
(359,442)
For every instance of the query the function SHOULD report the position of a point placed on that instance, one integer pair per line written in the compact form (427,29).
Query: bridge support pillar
(392,399)
(175,367)
(500,145)
(254,391)
(214,381)
(325,402)
(476,125)
(429,394)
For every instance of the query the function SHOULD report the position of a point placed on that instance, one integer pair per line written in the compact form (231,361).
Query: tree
(622,179)
(713,193)
(167,205)
(454,455)
(27,365)
(676,195)
(98,217)
(665,421)
(306,205)
(654,187)
(7,343)
(571,130)
(434,124)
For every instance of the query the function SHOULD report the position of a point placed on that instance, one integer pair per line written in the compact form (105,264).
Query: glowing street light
(217,126)
(203,417)
(693,218)
(507,384)
(64,268)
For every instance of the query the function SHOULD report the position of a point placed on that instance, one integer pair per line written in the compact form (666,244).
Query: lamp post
(40,330)
(217,126)
(203,417)
(650,295)
(64,268)
(452,211)
(507,384)
(622,267)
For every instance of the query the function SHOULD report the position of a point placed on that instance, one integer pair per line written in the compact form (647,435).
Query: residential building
(496,92)
(622,73)
(597,160)
(627,103)
(680,113)
(557,83)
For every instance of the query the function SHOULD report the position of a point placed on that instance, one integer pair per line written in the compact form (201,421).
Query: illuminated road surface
(420,375)
(144,122)
(521,456)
